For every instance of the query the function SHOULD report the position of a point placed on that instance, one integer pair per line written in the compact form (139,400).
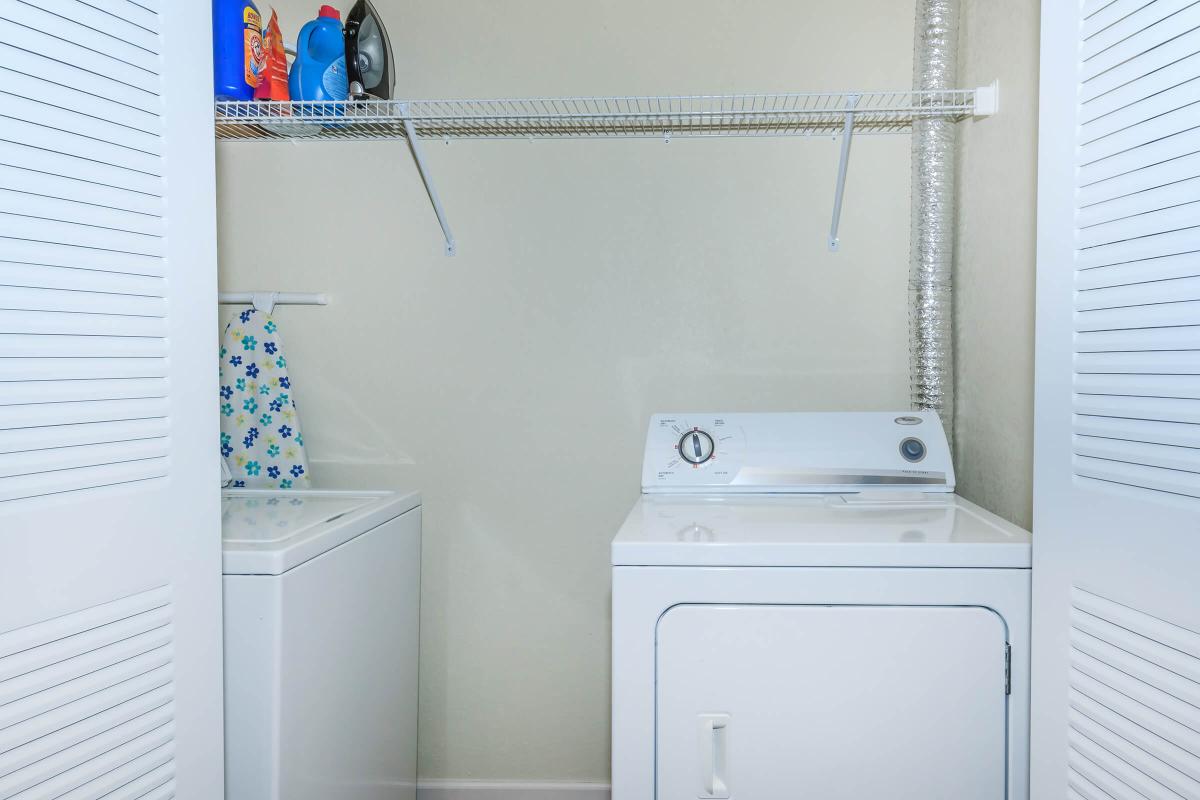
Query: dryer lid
(873,529)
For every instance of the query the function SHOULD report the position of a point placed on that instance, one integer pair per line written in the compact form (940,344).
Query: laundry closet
(596,279)
(548,418)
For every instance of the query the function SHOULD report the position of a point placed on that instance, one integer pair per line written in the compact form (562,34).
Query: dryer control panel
(798,452)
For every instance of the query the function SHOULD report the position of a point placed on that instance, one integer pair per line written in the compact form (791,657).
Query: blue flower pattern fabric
(260,427)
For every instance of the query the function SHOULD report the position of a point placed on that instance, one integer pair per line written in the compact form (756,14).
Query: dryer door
(831,702)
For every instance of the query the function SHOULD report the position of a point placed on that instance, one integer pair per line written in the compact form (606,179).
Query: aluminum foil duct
(934,146)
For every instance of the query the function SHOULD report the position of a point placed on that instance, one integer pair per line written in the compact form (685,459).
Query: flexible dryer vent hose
(934,145)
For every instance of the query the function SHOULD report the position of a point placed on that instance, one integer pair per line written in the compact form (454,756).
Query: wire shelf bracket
(414,145)
(664,117)
(839,193)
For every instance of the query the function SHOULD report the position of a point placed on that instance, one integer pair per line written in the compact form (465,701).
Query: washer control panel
(814,452)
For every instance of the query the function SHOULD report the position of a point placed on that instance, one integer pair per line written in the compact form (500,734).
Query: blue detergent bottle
(238,55)
(319,72)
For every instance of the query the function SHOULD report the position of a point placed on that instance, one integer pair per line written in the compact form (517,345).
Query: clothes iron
(368,54)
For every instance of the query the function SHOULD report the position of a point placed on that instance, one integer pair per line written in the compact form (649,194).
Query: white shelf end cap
(987,99)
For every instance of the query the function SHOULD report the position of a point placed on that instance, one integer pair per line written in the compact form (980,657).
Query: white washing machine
(803,608)
(322,599)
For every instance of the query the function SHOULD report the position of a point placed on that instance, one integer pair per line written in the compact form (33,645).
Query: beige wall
(995,261)
(598,282)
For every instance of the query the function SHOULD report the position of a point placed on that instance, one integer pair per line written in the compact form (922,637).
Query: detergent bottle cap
(329,11)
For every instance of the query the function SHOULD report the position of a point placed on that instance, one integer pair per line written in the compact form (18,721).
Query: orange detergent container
(274,83)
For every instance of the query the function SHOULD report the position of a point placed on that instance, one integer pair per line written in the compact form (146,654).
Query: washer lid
(883,529)
(267,532)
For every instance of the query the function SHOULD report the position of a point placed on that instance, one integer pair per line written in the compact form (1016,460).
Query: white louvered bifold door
(110,667)
(1116,669)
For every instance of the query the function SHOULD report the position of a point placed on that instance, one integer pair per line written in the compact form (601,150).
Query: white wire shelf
(746,115)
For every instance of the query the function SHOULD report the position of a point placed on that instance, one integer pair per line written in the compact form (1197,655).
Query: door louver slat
(1103,119)
(74,391)
(1150,432)
(84,397)
(1159,58)
(1099,14)
(66,141)
(1138,340)
(1137,272)
(79,235)
(1140,385)
(43,207)
(1131,698)
(113,684)
(142,13)
(73,667)
(33,440)
(64,118)
(80,280)
(83,324)
(1167,457)
(1134,690)
(99,18)
(1137,256)
(1110,173)
(1155,409)
(1175,217)
(30,369)
(32,346)
(163,791)
(1179,191)
(68,458)
(158,784)
(1140,242)
(1128,472)
(28,183)
(1095,198)
(88,101)
(1166,78)
(1134,35)
(114,48)
(59,628)
(140,715)
(78,170)
(1122,20)
(80,478)
(133,758)
(1137,734)
(1168,290)
(1160,136)
(34,252)
(1167,362)
(83,302)
(87,704)
(114,83)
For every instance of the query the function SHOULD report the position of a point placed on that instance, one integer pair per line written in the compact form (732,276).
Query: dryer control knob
(696,446)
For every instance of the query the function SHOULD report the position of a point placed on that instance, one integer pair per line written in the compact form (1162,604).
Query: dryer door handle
(713,740)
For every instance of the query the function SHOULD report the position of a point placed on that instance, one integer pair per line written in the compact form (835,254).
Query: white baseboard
(511,790)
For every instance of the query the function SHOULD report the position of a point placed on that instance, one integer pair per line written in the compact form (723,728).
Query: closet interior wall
(995,260)
(596,282)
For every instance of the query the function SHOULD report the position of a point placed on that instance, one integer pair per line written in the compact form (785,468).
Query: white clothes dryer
(802,607)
